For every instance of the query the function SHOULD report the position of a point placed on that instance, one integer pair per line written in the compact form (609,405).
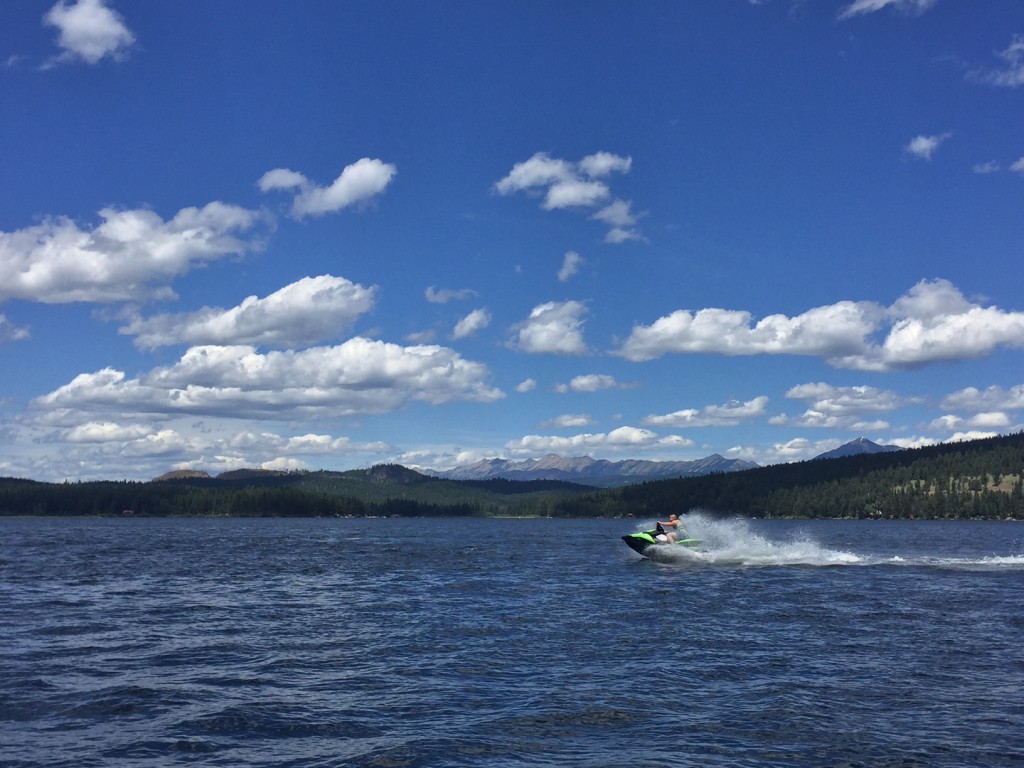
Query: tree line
(24,497)
(976,479)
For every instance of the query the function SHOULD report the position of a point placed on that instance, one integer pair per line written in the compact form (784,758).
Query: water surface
(283,642)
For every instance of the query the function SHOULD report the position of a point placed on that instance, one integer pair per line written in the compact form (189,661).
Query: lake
(445,642)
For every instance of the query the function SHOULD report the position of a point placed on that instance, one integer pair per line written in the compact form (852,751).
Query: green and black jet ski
(640,541)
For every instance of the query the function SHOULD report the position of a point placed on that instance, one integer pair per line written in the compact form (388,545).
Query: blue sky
(333,234)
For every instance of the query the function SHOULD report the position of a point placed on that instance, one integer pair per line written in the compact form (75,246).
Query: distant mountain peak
(856,447)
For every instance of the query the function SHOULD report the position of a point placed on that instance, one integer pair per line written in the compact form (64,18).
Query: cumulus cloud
(360,376)
(730,414)
(444,295)
(1010,74)
(305,312)
(10,332)
(569,421)
(621,439)
(932,323)
(619,216)
(476,320)
(552,328)
(132,256)
(362,180)
(830,330)
(592,382)
(861,7)
(935,323)
(562,184)
(94,447)
(526,385)
(842,407)
(570,266)
(1018,166)
(993,398)
(310,444)
(924,147)
(89,31)
(105,432)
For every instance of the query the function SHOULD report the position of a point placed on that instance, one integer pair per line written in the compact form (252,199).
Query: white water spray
(735,541)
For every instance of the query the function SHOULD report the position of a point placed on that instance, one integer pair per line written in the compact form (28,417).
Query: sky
(327,235)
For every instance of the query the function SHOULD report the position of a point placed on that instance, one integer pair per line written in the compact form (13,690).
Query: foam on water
(735,541)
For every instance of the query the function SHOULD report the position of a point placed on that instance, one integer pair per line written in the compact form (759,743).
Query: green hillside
(378,491)
(976,479)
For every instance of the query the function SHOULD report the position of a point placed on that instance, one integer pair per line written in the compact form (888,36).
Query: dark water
(393,643)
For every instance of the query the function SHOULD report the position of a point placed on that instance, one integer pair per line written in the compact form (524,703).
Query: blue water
(392,643)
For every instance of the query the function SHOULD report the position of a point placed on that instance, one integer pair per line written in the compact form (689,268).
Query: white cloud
(1011,73)
(569,421)
(143,451)
(10,332)
(309,444)
(1018,166)
(89,31)
(730,414)
(105,432)
(564,184)
(989,420)
(848,401)
(281,178)
(358,182)
(842,407)
(444,295)
(935,323)
(476,320)
(604,163)
(359,376)
(994,398)
(592,382)
(552,328)
(932,323)
(830,330)
(575,193)
(925,146)
(798,449)
(860,7)
(421,337)
(526,385)
(570,266)
(962,437)
(620,217)
(132,256)
(985,168)
(305,312)
(621,439)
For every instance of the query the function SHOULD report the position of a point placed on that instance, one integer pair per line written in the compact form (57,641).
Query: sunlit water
(395,643)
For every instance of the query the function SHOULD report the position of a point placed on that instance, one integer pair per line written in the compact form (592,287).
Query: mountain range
(582,470)
(588,471)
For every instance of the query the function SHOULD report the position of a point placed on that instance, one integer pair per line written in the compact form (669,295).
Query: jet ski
(641,541)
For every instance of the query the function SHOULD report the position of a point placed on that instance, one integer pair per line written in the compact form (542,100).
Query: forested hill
(981,479)
(976,479)
(383,490)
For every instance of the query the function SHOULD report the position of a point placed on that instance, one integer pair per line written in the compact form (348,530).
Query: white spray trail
(733,541)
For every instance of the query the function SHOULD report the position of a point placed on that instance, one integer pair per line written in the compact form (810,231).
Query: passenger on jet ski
(672,522)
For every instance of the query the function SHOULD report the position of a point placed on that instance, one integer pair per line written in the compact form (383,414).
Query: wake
(735,542)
